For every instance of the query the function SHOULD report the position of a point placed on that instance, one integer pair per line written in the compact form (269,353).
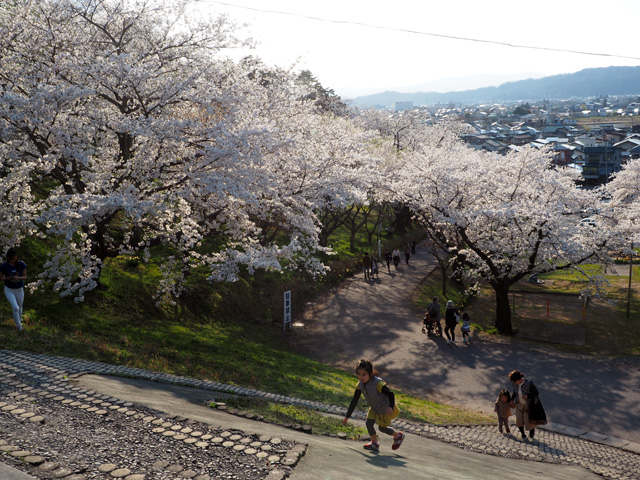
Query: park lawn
(224,333)
(608,332)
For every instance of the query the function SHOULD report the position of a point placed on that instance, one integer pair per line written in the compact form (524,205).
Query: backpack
(434,310)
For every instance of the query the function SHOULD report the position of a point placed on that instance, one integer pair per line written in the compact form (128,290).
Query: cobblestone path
(38,391)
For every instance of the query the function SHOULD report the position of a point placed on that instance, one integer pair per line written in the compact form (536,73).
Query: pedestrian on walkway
(466,328)
(396,258)
(413,247)
(503,408)
(451,318)
(382,405)
(366,266)
(13,273)
(407,252)
(526,400)
(374,267)
(388,258)
(433,309)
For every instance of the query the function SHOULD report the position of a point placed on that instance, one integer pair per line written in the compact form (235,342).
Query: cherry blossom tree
(122,128)
(623,211)
(514,214)
(622,215)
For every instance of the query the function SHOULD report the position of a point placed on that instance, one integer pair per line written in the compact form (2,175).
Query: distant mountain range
(590,82)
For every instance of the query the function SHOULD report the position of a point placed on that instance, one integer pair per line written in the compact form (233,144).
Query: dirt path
(374,320)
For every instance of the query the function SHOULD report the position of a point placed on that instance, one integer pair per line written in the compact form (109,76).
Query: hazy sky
(355,59)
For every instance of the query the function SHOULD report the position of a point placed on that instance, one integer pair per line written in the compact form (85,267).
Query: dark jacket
(450,317)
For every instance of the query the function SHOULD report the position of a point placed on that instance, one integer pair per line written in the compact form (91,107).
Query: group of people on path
(433,327)
(383,408)
(525,400)
(369,266)
(370,262)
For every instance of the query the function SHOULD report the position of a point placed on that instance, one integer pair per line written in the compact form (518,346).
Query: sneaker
(508,431)
(532,433)
(374,446)
(397,440)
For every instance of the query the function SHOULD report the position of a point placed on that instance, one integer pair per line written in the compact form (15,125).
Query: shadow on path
(374,320)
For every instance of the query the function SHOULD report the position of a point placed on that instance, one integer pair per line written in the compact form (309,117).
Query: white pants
(16,299)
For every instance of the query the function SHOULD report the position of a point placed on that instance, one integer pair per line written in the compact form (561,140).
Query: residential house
(600,162)
(494,146)
(628,143)
(634,153)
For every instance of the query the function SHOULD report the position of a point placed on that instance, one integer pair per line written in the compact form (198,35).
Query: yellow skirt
(383,419)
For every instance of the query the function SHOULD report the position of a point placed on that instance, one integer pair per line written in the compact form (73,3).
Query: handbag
(457,318)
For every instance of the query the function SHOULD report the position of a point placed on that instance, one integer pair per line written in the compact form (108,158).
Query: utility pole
(630,276)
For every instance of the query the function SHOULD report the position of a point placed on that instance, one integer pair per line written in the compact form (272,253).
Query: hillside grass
(609,333)
(228,332)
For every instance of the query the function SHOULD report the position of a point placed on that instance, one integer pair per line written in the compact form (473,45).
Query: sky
(358,47)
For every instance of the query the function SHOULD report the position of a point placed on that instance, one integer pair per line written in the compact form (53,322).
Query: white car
(588,221)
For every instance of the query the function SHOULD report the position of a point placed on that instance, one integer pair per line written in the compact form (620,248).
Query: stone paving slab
(594,437)
(40,376)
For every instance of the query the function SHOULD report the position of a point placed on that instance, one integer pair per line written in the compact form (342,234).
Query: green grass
(609,333)
(323,424)
(432,287)
(229,333)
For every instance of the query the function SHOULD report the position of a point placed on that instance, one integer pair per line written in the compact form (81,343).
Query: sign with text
(287,310)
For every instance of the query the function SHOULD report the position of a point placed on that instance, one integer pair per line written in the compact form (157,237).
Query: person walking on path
(503,408)
(413,247)
(466,328)
(13,273)
(366,266)
(396,258)
(433,309)
(451,318)
(382,405)
(388,259)
(374,267)
(526,400)
(407,252)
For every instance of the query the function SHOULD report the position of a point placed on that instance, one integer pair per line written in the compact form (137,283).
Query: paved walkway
(429,452)
(373,320)
(361,319)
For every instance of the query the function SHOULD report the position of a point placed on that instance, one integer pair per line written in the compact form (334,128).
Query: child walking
(466,328)
(382,405)
(503,409)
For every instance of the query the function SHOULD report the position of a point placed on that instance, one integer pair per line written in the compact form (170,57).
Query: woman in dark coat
(526,401)
(451,317)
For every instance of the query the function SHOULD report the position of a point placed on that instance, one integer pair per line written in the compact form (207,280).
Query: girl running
(382,405)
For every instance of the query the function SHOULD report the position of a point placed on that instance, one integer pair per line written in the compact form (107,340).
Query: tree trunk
(403,219)
(503,309)
(443,269)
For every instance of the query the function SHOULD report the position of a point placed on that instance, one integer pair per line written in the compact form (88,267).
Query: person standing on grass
(388,259)
(526,400)
(382,405)
(13,273)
